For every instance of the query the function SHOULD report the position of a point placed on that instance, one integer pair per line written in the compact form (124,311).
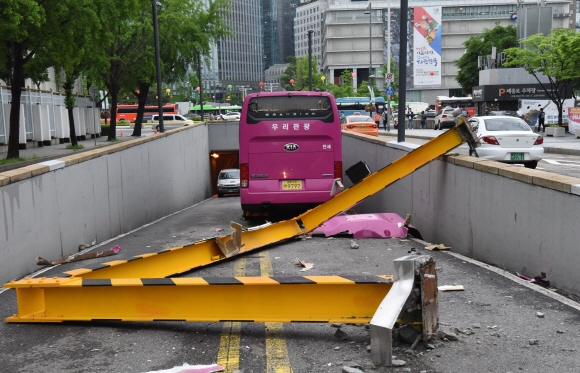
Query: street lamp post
(388,125)
(158,66)
(310,32)
(369,12)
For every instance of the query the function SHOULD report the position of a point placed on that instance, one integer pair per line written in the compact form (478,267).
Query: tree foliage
(556,56)
(298,71)
(480,45)
(34,34)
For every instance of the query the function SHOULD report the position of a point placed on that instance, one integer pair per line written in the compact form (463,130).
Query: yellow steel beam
(353,299)
(181,259)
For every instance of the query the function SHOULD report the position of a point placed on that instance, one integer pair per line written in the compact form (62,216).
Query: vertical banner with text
(427,46)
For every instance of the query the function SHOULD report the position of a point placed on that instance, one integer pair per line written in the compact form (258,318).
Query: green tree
(84,50)
(185,27)
(33,33)
(346,89)
(480,45)
(298,70)
(556,56)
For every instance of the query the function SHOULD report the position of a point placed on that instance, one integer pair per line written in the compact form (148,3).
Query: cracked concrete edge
(510,276)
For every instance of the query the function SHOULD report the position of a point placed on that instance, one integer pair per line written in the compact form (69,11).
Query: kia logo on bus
(291,147)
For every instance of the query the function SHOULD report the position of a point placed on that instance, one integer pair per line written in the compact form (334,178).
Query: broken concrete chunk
(398,363)
(534,342)
(353,245)
(540,315)
(347,369)
(340,334)
(304,264)
(408,334)
(446,335)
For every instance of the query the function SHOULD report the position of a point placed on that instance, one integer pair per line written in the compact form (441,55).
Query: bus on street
(361,105)
(290,150)
(129,112)
(465,103)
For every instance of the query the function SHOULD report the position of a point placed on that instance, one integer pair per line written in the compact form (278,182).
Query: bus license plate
(517,156)
(291,184)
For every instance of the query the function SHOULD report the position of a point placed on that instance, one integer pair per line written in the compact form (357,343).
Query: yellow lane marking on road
(277,360)
(229,351)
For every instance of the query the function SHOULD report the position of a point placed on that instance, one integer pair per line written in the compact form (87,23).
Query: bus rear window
(289,107)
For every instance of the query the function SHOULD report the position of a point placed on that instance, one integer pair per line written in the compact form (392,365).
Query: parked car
(496,113)
(228,182)
(507,139)
(170,119)
(360,124)
(445,118)
(229,115)
(192,116)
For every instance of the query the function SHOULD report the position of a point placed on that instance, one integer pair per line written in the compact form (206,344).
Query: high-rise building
(237,60)
(278,31)
(345,37)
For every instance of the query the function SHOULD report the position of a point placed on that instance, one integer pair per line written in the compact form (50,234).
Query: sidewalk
(36,154)
(568,144)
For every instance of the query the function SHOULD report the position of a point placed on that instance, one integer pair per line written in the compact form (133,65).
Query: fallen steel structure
(138,290)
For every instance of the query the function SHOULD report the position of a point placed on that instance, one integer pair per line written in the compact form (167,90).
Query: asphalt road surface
(495,318)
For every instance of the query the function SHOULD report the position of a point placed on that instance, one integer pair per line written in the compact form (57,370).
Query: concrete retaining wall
(515,218)
(98,194)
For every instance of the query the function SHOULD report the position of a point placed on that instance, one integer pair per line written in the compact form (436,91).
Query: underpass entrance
(219,160)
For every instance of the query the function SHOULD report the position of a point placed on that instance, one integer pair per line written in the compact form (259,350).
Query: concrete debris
(336,325)
(408,334)
(85,246)
(77,257)
(399,363)
(304,264)
(347,369)
(476,325)
(439,247)
(429,346)
(337,348)
(534,342)
(450,288)
(467,331)
(540,315)
(353,245)
(340,334)
(560,331)
(447,335)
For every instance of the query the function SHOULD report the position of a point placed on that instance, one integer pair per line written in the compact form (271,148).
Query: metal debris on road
(77,257)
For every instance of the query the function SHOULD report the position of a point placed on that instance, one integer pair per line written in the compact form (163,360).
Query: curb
(547,149)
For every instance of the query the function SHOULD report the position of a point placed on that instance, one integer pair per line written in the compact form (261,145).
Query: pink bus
(290,150)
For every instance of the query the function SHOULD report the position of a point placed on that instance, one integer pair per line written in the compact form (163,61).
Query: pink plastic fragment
(382,225)
(207,369)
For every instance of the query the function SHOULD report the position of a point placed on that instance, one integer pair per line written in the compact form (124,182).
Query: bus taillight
(244,175)
(338,170)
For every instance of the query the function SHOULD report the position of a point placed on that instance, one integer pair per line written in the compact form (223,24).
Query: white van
(170,119)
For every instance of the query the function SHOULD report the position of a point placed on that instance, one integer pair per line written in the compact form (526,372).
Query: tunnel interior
(219,160)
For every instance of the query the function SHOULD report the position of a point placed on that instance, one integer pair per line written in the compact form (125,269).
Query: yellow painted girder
(181,259)
(255,299)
